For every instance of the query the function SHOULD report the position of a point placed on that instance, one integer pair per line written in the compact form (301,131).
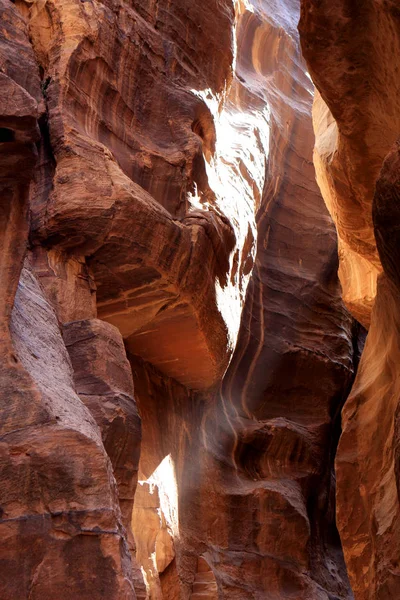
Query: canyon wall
(176,352)
(352,52)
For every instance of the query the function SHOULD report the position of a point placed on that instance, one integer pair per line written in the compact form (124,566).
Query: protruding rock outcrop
(253,464)
(126,157)
(103,380)
(61,523)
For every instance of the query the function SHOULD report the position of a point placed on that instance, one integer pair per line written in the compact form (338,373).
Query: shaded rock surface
(103,380)
(124,163)
(178,254)
(61,526)
(368,455)
(253,463)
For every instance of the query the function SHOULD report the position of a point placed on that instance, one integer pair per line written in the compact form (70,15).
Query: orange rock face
(61,519)
(351,53)
(252,463)
(176,351)
(367,461)
(356,119)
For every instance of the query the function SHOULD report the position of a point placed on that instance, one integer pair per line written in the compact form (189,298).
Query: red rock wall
(179,264)
(264,477)
(351,49)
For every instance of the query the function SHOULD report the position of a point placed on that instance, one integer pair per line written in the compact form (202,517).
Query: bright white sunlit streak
(164,478)
(236,174)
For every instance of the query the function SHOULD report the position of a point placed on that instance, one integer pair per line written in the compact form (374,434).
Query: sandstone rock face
(178,255)
(367,461)
(356,117)
(103,380)
(154,263)
(61,526)
(19,113)
(204,585)
(350,52)
(253,463)
(155,545)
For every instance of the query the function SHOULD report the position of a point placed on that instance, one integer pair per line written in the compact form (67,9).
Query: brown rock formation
(252,465)
(61,528)
(356,119)
(155,550)
(367,462)
(103,380)
(368,502)
(144,250)
(204,585)
(174,220)
(351,50)
(20,99)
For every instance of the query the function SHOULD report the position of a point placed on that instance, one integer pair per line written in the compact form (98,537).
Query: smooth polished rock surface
(349,49)
(367,463)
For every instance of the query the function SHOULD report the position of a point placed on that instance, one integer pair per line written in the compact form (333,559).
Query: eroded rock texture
(352,51)
(61,527)
(253,463)
(180,265)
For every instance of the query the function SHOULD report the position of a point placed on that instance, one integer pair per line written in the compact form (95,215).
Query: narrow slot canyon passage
(199,298)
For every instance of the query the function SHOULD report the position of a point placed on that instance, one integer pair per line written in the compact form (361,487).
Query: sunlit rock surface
(128,158)
(351,49)
(179,297)
(368,454)
(253,463)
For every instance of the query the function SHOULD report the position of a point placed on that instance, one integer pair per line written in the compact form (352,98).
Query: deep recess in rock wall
(175,349)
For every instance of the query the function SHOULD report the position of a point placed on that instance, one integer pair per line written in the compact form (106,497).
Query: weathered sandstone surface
(352,52)
(175,349)
(61,526)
